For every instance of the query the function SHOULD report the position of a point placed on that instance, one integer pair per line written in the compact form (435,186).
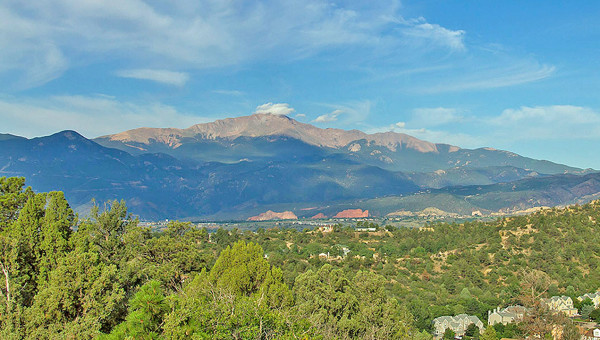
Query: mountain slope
(232,139)
(159,186)
(238,165)
(557,190)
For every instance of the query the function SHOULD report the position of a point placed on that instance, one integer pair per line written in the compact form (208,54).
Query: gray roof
(590,296)
(459,319)
(558,298)
(511,311)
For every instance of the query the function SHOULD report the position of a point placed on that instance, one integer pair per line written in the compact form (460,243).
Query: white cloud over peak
(159,76)
(283,109)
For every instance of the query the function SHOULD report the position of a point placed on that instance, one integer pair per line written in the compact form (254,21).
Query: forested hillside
(103,275)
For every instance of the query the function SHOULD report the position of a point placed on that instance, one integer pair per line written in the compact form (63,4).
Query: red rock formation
(319,215)
(352,213)
(271,215)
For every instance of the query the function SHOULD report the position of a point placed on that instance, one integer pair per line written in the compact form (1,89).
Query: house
(326,229)
(506,315)
(562,304)
(458,324)
(595,297)
(591,334)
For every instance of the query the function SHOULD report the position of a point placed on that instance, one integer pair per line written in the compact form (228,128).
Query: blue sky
(517,75)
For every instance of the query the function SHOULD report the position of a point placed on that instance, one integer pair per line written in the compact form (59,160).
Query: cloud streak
(159,76)
(502,76)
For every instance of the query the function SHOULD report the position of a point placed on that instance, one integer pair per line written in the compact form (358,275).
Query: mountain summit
(263,125)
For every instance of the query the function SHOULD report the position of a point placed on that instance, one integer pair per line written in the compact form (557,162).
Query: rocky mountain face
(236,166)
(261,125)
(352,213)
(271,215)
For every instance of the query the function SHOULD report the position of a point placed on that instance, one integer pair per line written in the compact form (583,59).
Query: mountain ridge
(261,137)
(230,169)
(261,125)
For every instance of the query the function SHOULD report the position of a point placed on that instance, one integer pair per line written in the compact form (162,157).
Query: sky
(522,76)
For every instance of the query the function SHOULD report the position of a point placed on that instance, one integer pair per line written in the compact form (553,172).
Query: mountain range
(236,167)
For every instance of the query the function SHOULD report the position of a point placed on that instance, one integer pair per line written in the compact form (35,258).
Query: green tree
(169,257)
(147,309)
(240,269)
(246,304)
(472,331)
(105,231)
(21,252)
(55,232)
(12,199)
(449,334)
(349,308)
(489,334)
(80,298)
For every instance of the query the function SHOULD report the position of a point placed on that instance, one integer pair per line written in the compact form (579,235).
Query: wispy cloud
(348,114)
(535,124)
(548,123)
(190,34)
(424,32)
(159,76)
(502,76)
(329,117)
(435,116)
(282,109)
(229,92)
(90,115)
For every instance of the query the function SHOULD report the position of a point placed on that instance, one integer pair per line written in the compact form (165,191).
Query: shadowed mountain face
(160,186)
(247,163)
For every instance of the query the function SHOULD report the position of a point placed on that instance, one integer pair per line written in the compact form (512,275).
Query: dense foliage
(106,276)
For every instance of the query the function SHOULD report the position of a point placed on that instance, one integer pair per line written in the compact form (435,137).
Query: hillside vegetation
(106,276)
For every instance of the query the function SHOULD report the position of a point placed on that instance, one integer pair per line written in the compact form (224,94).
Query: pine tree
(55,233)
